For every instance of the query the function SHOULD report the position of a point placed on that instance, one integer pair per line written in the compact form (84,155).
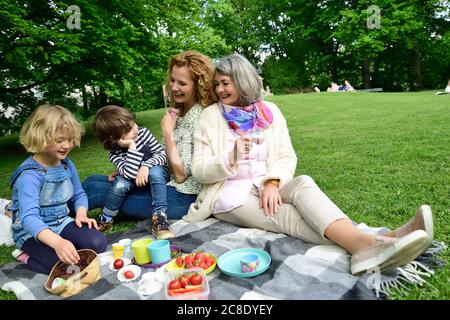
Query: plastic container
(201,294)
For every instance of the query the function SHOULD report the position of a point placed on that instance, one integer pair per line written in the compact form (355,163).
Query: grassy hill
(376,155)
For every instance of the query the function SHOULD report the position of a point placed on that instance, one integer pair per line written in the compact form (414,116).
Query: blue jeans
(158,176)
(138,202)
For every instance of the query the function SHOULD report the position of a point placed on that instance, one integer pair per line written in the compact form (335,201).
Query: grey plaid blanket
(298,270)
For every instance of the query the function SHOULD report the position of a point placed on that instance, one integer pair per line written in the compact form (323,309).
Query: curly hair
(201,70)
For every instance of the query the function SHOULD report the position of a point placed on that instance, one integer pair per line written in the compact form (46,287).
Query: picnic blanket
(298,270)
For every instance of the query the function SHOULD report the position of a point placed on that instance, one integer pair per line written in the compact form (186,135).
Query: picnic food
(118,263)
(128,274)
(196,279)
(200,259)
(174,284)
(186,283)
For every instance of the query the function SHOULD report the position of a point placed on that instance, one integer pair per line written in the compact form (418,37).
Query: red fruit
(128,274)
(180,262)
(209,261)
(189,259)
(203,265)
(118,263)
(185,281)
(196,279)
(174,284)
(199,256)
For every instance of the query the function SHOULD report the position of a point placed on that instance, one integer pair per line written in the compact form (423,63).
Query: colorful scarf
(242,120)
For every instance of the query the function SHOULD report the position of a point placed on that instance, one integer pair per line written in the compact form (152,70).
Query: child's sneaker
(20,256)
(104,226)
(160,226)
(105,222)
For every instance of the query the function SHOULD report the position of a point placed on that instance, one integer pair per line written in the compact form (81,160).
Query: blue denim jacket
(41,196)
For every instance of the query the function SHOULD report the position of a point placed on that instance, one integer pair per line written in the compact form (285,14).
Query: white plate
(126,262)
(133,268)
(149,289)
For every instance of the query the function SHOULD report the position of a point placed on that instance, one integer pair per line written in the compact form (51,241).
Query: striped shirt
(149,153)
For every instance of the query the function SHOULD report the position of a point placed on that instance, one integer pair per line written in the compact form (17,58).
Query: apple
(128,274)
(118,263)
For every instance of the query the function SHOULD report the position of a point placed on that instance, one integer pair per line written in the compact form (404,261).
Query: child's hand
(66,251)
(130,144)
(82,217)
(79,220)
(142,176)
(112,176)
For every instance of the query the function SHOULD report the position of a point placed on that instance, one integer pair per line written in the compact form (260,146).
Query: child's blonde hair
(39,130)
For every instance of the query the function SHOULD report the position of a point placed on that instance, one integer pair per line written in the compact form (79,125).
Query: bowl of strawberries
(198,259)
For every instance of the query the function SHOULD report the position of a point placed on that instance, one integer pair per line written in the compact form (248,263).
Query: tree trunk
(85,100)
(417,70)
(333,63)
(366,72)
(103,97)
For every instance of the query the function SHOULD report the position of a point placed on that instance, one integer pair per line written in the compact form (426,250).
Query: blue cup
(249,263)
(159,251)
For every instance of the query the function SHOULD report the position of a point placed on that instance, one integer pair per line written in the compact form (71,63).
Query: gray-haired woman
(245,160)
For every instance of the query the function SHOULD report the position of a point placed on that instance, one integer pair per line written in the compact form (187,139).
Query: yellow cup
(118,250)
(140,251)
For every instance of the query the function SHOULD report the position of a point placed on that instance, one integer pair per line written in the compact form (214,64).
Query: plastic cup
(127,251)
(159,251)
(118,250)
(140,251)
(57,282)
(249,263)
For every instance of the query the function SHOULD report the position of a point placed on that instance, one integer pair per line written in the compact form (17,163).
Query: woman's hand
(241,150)
(142,176)
(168,123)
(66,251)
(113,175)
(270,199)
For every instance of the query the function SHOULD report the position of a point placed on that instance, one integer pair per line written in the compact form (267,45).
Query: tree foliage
(119,53)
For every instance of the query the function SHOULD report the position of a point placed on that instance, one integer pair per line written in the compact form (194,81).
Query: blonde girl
(46,188)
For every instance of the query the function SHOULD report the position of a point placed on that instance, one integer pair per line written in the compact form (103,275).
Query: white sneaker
(5,230)
(390,252)
(423,220)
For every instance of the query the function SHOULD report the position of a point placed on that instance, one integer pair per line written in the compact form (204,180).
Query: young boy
(139,159)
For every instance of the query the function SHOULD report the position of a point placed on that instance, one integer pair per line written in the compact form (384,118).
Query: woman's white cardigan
(210,152)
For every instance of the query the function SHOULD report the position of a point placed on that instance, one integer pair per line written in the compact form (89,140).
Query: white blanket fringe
(436,247)
(412,273)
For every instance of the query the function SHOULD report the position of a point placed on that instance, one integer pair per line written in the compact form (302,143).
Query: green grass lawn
(376,155)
